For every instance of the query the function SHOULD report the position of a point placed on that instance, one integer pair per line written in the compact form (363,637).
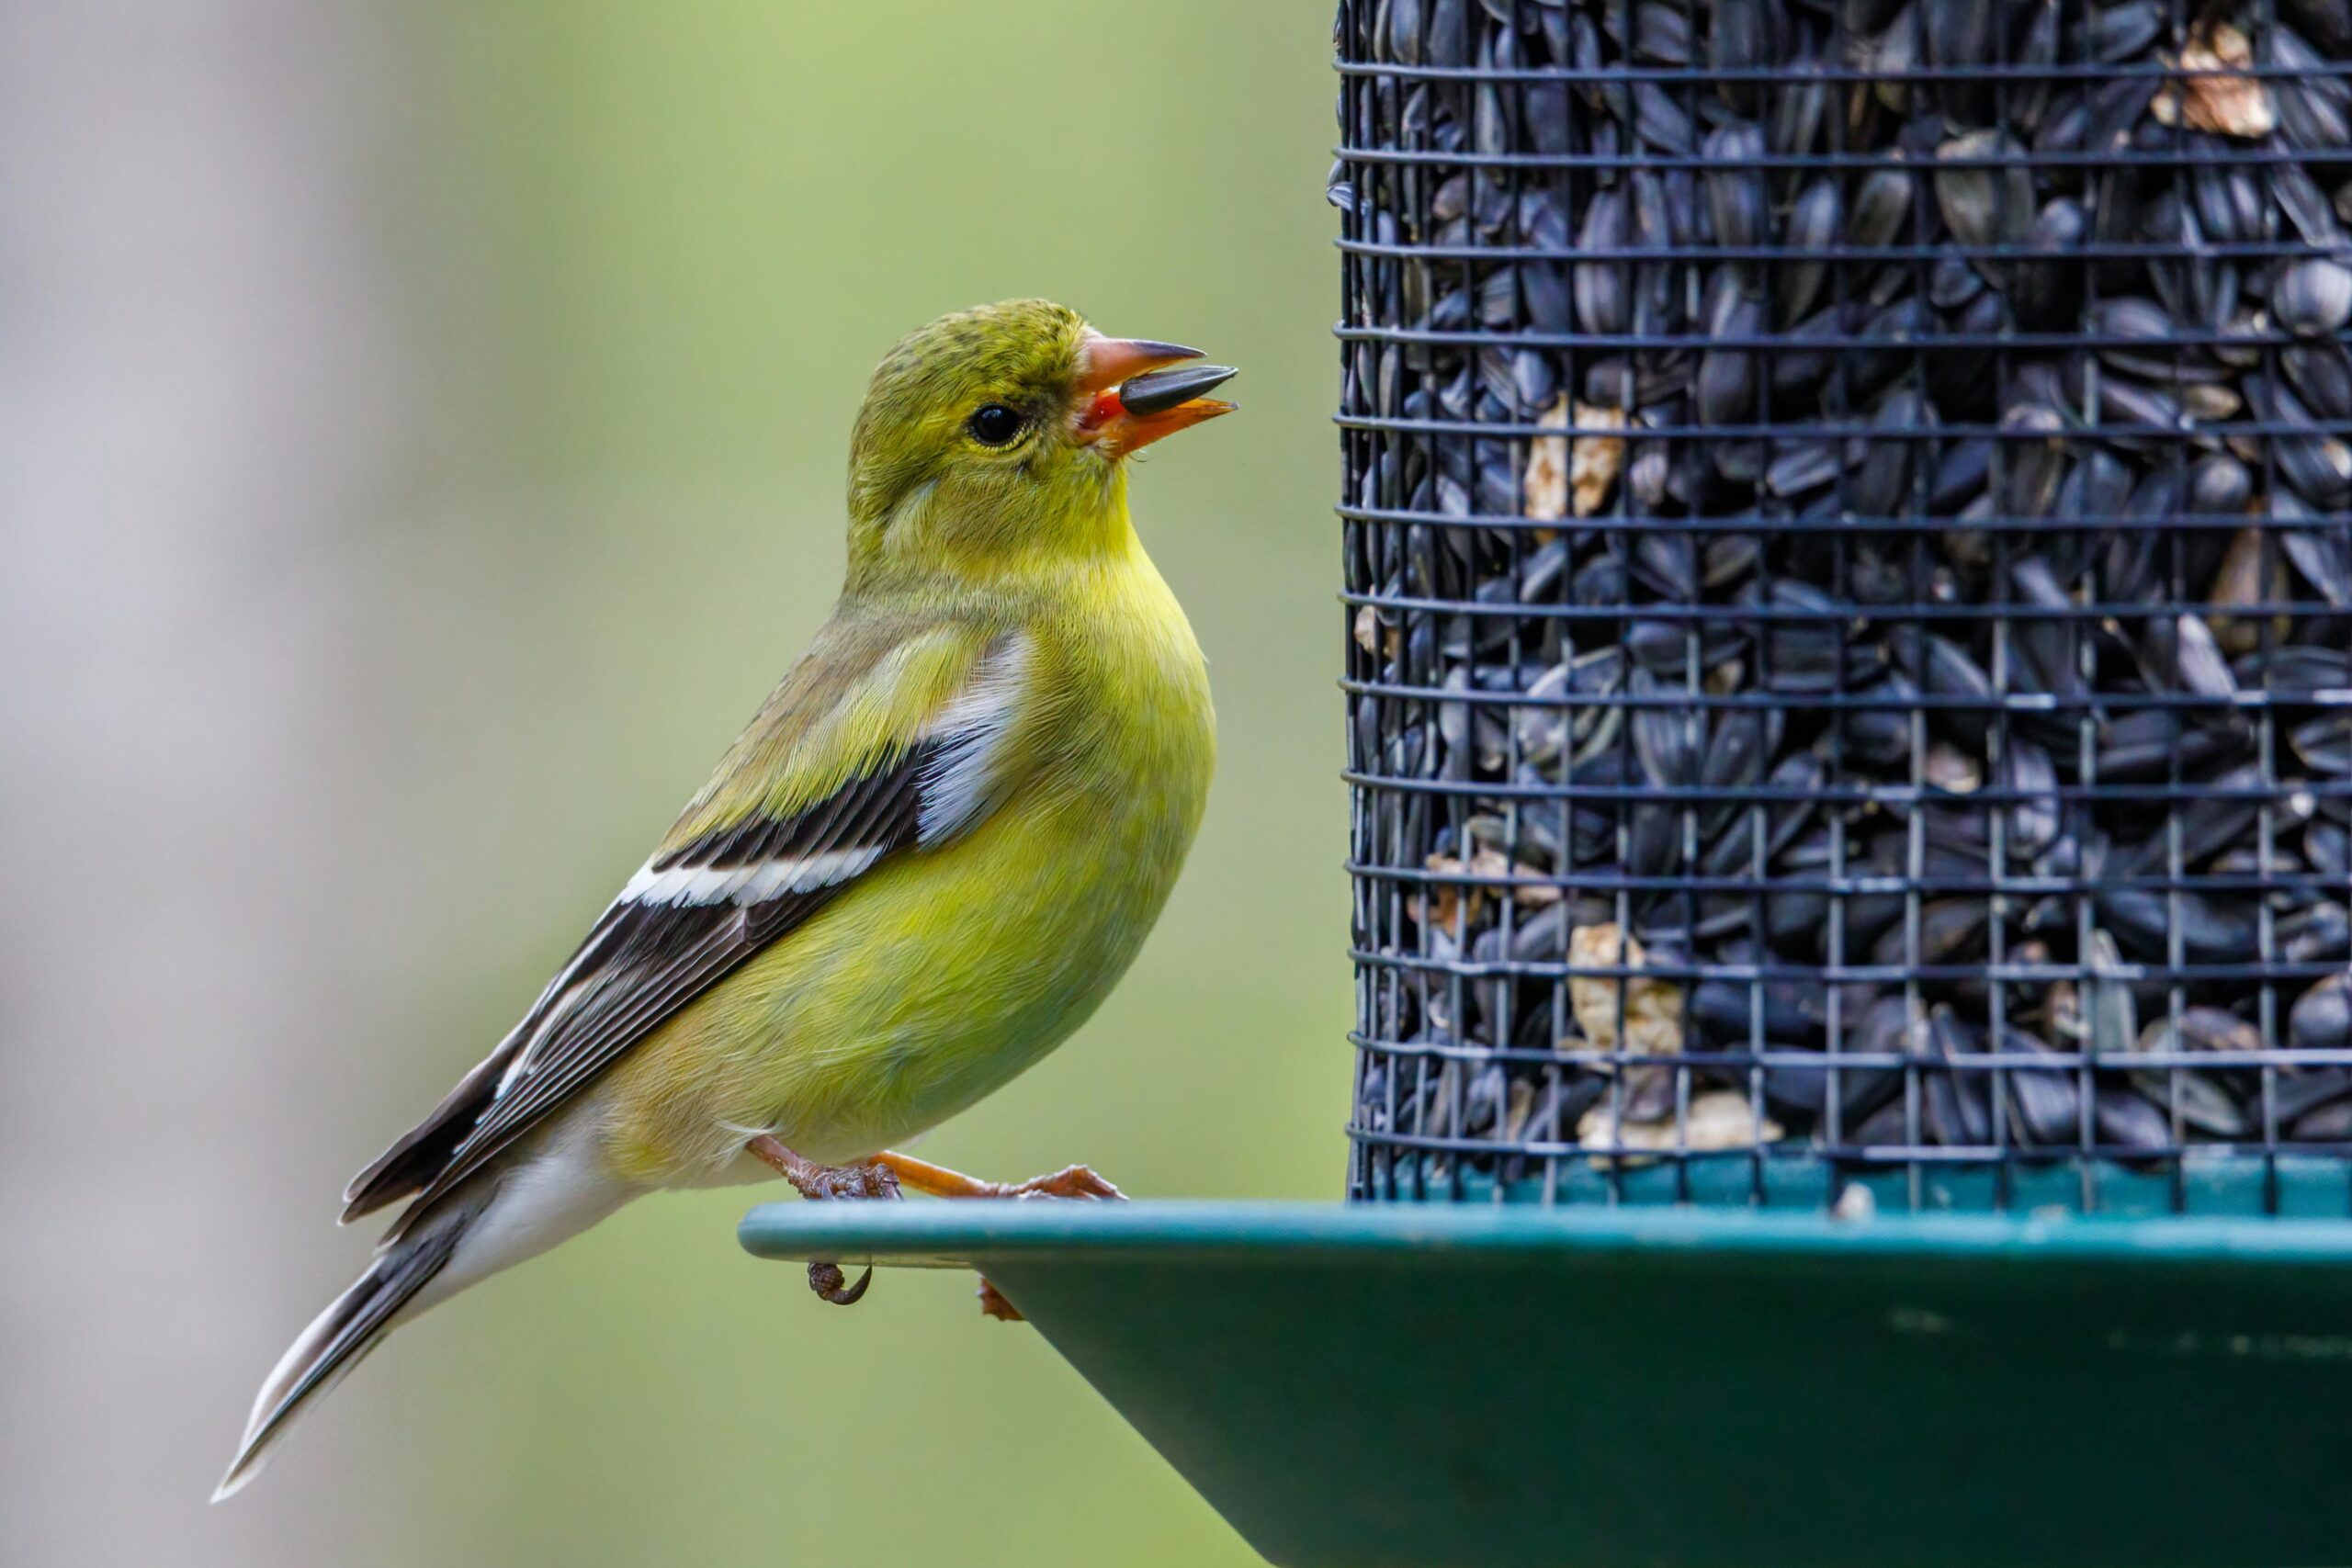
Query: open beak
(1131,398)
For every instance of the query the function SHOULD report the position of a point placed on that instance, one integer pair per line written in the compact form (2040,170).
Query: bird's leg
(810,1179)
(939,1182)
(1071,1182)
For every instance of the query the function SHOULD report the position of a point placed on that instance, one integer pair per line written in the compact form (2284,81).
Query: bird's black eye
(995,425)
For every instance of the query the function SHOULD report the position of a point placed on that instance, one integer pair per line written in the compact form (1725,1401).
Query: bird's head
(996,437)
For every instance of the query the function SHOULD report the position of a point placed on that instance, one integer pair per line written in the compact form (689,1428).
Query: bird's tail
(353,1324)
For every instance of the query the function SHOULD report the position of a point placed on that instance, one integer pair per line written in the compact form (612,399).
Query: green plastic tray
(1376,1384)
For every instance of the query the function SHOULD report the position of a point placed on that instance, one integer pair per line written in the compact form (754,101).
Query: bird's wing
(886,737)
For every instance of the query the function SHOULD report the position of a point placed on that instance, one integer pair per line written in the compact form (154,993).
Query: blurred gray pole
(199,403)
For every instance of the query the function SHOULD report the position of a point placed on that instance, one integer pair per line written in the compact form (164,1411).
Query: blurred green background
(428,424)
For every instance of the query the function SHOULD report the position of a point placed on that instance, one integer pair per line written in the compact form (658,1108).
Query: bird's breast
(942,975)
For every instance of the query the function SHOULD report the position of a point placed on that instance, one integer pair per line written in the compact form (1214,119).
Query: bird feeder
(1848,627)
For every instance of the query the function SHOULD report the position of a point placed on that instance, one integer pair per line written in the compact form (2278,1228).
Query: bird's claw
(1077,1181)
(1070,1181)
(871,1180)
(826,1280)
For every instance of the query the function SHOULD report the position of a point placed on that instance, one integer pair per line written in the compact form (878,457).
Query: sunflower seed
(1933,565)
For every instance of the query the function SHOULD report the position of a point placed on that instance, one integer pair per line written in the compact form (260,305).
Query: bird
(922,864)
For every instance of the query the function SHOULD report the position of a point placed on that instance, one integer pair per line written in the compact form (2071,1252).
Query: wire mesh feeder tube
(1847,601)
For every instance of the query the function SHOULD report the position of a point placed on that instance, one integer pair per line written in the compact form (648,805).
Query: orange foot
(1070,1181)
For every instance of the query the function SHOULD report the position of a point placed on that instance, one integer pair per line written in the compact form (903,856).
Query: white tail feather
(512,1215)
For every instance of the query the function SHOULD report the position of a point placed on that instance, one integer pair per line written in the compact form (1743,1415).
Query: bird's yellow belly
(864,1028)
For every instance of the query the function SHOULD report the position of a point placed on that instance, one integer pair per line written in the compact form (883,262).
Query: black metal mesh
(1848,599)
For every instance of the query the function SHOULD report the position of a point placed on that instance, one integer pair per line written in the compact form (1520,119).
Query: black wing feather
(639,965)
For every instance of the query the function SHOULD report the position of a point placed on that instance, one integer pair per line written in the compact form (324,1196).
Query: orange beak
(1130,399)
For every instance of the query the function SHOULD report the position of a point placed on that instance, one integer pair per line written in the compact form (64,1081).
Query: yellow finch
(936,847)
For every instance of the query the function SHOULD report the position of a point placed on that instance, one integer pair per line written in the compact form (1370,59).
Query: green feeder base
(1442,1385)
